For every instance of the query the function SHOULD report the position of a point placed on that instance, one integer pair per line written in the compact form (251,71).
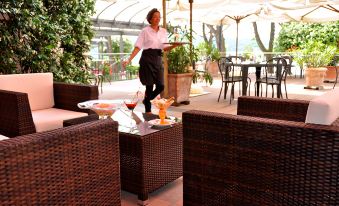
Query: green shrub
(315,54)
(46,36)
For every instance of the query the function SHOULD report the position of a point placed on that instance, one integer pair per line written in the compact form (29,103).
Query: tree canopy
(294,34)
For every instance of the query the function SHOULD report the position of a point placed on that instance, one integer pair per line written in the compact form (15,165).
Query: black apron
(151,70)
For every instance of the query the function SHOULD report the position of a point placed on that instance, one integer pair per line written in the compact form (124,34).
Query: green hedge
(46,36)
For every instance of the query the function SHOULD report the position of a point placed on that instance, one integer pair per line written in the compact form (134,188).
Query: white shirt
(151,39)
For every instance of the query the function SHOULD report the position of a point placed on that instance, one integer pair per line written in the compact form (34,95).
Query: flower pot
(213,68)
(330,73)
(315,76)
(179,86)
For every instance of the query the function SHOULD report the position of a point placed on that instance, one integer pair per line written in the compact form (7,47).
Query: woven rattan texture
(15,114)
(147,162)
(241,160)
(151,161)
(284,109)
(80,120)
(67,96)
(77,165)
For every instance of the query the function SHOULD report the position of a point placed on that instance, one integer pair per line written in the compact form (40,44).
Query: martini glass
(104,110)
(131,104)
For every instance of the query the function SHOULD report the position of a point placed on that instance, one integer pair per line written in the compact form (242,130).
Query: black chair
(236,59)
(229,75)
(275,73)
(289,60)
(336,76)
(335,62)
(239,59)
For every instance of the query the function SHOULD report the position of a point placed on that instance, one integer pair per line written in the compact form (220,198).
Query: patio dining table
(244,68)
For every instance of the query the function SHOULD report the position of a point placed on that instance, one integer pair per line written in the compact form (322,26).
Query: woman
(151,40)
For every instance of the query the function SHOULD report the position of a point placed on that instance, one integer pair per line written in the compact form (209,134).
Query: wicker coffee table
(149,158)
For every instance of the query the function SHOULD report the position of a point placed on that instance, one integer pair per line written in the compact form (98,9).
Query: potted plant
(179,61)
(331,72)
(212,55)
(179,76)
(316,56)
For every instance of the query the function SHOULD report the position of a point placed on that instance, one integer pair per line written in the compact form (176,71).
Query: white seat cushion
(48,119)
(38,86)
(3,137)
(324,109)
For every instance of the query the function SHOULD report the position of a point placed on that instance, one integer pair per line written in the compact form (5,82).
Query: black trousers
(151,94)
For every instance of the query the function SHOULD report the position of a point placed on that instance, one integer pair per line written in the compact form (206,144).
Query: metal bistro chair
(236,59)
(335,61)
(228,76)
(289,60)
(275,73)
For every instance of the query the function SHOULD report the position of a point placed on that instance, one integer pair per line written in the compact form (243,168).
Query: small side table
(148,161)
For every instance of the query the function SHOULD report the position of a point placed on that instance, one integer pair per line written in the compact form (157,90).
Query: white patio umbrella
(237,13)
(311,11)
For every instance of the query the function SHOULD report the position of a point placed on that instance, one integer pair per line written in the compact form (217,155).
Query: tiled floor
(171,194)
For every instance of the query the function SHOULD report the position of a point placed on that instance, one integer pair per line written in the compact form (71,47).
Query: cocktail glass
(131,104)
(162,105)
(104,110)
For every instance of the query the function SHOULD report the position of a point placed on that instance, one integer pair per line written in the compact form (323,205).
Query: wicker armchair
(265,155)
(15,113)
(77,165)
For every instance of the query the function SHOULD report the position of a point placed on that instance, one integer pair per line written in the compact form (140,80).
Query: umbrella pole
(165,92)
(191,32)
(236,45)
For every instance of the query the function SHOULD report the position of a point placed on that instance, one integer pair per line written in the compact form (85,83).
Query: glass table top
(137,124)
(134,123)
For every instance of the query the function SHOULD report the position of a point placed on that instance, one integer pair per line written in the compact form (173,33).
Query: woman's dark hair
(150,14)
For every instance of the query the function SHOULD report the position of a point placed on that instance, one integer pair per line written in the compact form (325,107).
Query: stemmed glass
(104,110)
(131,104)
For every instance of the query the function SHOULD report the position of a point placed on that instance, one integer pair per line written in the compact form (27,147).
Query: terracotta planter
(315,76)
(179,86)
(330,73)
(213,68)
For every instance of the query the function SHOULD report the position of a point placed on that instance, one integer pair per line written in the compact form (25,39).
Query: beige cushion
(324,109)
(3,137)
(38,86)
(48,119)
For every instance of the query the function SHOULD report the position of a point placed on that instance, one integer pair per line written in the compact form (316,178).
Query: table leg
(257,77)
(143,199)
(244,69)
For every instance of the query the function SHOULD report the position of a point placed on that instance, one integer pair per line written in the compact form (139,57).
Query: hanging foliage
(46,36)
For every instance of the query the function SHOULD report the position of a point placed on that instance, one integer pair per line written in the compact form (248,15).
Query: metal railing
(109,65)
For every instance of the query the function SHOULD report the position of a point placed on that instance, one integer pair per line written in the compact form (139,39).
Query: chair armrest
(67,96)
(15,114)
(77,165)
(284,109)
(80,120)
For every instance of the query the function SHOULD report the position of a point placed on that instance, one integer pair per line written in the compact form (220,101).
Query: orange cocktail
(162,105)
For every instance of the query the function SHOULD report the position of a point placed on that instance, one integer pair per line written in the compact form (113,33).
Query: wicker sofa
(265,155)
(76,165)
(31,103)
